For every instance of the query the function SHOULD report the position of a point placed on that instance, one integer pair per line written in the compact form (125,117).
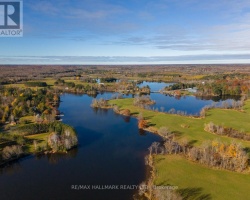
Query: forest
(27,113)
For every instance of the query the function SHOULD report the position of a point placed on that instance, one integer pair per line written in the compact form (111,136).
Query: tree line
(227,131)
(211,153)
(223,87)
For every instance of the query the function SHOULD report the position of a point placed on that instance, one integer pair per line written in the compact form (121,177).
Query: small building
(192,90)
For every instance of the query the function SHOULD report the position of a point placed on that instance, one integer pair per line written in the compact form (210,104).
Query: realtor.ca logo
(11,18)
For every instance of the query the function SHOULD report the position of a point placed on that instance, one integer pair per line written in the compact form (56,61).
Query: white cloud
(206,58)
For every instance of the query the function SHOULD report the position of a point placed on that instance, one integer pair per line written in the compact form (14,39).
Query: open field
(195,133)
(197,181)
(50,82)
(194,180)
(27,119)
(40,138)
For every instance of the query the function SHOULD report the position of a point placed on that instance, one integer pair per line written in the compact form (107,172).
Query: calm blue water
(109,95)
(190,104)
(111,152)
(155,86)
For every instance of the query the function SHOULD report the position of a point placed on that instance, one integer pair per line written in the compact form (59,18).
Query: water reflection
(126,119)
(11,168)
(142,132)
(93,95)
(100,111)
(220,98)
(155,86)
(190,105)
(54,158)
(16,165)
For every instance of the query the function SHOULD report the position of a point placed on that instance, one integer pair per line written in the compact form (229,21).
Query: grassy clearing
(27,119)
(19,85)
(200,180)
(195,133)
(40,138)
(51,82)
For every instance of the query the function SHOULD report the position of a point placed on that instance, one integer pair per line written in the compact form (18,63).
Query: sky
(131,32)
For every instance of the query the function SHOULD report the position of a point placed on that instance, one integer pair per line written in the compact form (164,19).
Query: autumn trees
(214,153)
(18,102)
(224,87)
(217,154)
(142,123)
(231,156)
(37,110)
(99,103)
(62,141)
(62,137)
(125,112)
(142,101)
(215,87)
(164,131)
(10,152)
(227,131)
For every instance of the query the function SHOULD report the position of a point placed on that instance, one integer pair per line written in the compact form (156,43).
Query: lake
(111,152)
(190,104)
(155,86)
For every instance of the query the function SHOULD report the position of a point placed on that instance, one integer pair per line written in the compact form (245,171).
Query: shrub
(13,151)
(142,124)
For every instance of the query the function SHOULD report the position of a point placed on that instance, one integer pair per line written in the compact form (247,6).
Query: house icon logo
(11,18)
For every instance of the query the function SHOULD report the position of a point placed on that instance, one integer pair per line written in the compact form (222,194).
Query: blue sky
(131,32)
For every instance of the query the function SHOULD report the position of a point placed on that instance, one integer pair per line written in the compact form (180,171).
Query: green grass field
(195,133)
(40,138)
(28,119)
(194,180)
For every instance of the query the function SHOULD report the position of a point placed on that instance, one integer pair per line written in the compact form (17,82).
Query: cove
(111,152)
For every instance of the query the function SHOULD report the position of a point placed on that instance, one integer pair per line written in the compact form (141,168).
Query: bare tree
(164,131)
(155,146)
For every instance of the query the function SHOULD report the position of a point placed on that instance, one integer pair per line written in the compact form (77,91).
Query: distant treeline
(225,76)
(179,86)
(224,87)
(108,80)
(216,88)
